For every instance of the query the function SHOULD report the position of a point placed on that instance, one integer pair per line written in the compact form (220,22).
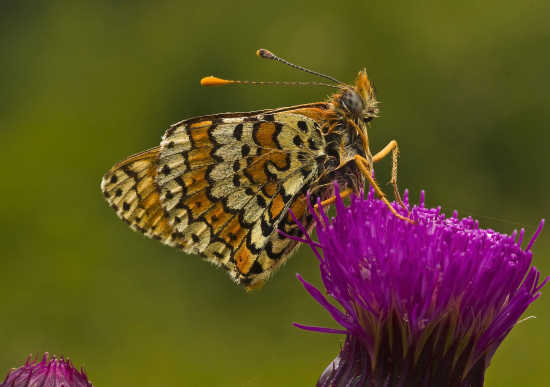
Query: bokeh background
(465,89)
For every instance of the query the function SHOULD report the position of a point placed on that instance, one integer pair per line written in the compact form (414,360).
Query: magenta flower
(47,373)
(422,305)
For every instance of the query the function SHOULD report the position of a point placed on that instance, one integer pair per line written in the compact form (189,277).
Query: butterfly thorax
(345,133)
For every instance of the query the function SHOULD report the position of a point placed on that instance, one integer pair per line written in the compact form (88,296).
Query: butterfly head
(359,100)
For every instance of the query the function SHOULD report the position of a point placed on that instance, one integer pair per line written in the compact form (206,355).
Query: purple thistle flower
(47,373)
(423,305)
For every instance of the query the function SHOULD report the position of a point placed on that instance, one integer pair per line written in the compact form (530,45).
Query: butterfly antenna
(213,81)
(263,53)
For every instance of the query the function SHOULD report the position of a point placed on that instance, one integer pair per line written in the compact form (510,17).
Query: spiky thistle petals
(423,305)
(46,373)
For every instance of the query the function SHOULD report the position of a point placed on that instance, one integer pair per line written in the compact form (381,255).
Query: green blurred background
(465,90)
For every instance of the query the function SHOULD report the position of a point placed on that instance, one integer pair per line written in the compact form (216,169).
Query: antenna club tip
(213,81)
(263,53)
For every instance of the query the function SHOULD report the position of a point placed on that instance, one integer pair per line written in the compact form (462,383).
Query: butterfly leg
(392,146)
(343,195)
(363,166)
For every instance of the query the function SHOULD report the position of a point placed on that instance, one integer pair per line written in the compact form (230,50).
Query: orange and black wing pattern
(220,186)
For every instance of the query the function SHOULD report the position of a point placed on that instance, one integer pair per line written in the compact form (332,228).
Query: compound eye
(353,102)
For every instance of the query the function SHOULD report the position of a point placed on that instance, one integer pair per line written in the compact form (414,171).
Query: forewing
(131,190)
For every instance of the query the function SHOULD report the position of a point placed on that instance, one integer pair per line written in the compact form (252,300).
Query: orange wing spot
(217,217)
(200,123)
(277,206)
(264,135)
(195,181)
(298,207)
(243,259)
(270,189)
(200,138)
(279,158)
(155,218)
(256,171)
(198,203)
(146,186)
(315,114)
(233,233)
(200,157)
(152,201)
(165,227)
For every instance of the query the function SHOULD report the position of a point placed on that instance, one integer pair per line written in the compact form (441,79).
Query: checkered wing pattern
(131,190)
(221,186)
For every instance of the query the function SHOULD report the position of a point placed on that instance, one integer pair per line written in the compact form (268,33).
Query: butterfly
(220,186)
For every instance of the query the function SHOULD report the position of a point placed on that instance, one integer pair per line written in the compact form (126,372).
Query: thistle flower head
(46,373)
(422,305)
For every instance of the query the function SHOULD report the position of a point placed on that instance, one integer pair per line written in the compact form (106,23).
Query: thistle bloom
(47,373)
(423,305)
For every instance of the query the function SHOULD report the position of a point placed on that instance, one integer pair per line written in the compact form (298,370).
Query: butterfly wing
(220,186)
(130,189)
